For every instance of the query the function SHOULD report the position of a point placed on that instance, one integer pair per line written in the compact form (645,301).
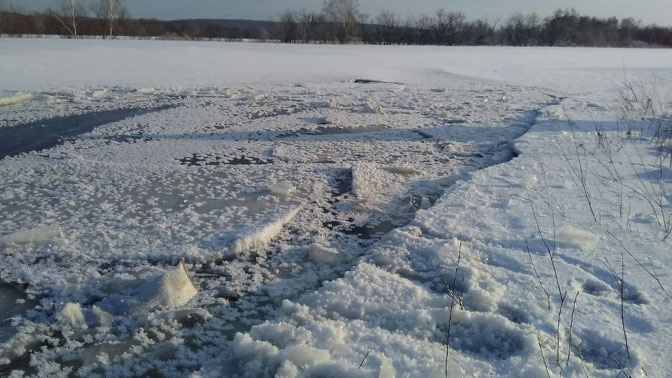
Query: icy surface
(252,210)
(39,234)
(15,100)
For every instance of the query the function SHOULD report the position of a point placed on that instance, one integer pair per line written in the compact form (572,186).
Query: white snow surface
(267,216)
(43,64)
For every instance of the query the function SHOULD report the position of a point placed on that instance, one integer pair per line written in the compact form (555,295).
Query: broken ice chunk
(16,100)
(334,103)
(102,317)
(373,106)
(39,234)
(72,315)
(171,290)
(323,255)
(282,188)
(406,170)
(261,236)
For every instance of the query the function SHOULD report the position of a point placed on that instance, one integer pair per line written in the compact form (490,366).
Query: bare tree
(68,14)
(522,30)
(387,27)
(449,26)
(111,11)
(344,14)
(478,33)
(425,25)
(627,29)
(38,23)
(309,28)
(8,17)
(3,8)
(289,27)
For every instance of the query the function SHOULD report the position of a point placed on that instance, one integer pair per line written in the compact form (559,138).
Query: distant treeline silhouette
(341,22)
(18,24)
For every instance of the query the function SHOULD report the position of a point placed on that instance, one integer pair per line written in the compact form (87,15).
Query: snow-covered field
(251,210)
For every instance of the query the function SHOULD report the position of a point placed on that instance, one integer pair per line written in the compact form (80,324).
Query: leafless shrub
(111,11)
(562,295)
(636,105)
(577,164)
(452,304)
(548,296)
(642,110)
(541,350)
(364,359)
(571,326)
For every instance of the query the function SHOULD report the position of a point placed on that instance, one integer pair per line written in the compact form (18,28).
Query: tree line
(341,21)
(110,18)
(72,18)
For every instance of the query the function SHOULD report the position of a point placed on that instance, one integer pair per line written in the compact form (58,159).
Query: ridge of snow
(262,236)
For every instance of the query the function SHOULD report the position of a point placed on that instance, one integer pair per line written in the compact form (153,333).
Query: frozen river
(245,209)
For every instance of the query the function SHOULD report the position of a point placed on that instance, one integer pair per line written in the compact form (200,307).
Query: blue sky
(649,11)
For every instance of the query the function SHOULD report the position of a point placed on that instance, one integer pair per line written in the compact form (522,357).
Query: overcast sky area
(649,11)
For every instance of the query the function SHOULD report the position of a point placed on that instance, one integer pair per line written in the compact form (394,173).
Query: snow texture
(266,210)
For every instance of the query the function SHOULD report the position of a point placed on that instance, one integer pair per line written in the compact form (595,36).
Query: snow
(574,237)
(42,64)
(303,356)
(530,181)
(337,211)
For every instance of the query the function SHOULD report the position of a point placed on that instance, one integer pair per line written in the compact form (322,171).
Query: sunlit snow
(252,210)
